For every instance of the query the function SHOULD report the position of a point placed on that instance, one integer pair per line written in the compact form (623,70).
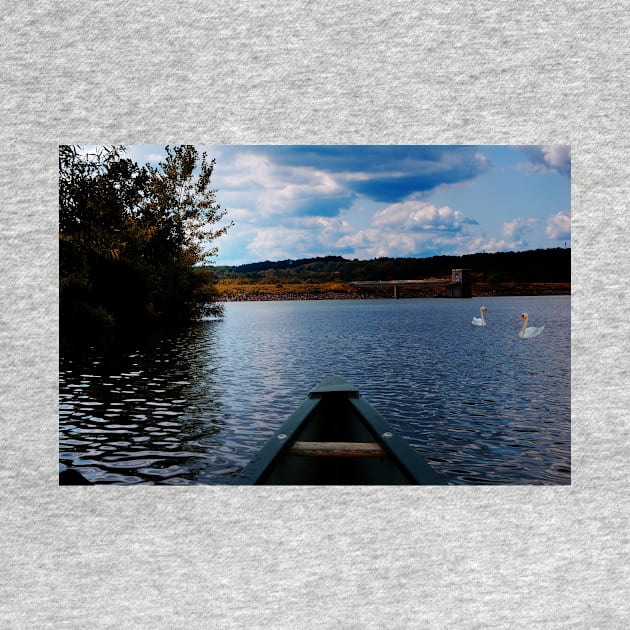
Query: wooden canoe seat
(337,449)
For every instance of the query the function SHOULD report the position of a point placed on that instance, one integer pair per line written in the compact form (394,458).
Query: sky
(371,201)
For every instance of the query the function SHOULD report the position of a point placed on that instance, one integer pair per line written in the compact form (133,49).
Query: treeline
(132,240)
(250,268)
(539,265)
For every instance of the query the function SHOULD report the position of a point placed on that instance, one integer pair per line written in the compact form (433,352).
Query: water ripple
(483,406)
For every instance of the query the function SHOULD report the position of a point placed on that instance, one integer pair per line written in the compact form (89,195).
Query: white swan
(532,331)
(480,321)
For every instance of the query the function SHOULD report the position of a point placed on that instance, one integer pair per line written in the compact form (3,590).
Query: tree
(180,209)
(132,238)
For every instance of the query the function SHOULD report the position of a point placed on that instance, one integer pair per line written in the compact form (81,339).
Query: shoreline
(258,293)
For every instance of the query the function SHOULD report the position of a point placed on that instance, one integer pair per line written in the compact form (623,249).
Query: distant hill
(281,264)
(539,265)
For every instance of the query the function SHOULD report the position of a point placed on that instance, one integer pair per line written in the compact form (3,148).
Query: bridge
(459,285)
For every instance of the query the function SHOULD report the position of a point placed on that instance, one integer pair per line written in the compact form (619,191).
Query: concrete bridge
(459,285)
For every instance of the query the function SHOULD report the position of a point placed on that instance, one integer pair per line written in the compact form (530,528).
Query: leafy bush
(133,239)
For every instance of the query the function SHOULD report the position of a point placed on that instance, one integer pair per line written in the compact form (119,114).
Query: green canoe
(336,437)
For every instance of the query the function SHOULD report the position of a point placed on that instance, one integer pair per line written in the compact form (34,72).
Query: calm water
(482,405)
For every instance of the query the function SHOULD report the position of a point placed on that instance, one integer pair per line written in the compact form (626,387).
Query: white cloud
(274,189)
(559,226)
(548,158)
(418,215)
(368,208)
(409,228)
(326,226)
(275,243)
(517,228)
(376,243)
(557,156)
(308,236)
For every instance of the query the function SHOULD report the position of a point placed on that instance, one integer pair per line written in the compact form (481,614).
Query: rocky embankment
(252,293)
(289,295)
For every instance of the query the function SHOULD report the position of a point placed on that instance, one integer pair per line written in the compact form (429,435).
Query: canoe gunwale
(279,442)
(415,466)
(412,466)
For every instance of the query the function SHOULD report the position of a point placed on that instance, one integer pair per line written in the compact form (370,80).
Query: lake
(480,404)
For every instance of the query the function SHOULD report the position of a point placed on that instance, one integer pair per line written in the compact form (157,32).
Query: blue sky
(293,201)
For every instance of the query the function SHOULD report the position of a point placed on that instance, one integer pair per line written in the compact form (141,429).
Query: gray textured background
(330,72)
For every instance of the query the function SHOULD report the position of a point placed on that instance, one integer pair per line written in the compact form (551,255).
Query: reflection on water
(145,413)
(482,405)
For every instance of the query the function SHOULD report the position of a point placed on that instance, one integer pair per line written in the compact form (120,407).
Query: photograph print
(315,315)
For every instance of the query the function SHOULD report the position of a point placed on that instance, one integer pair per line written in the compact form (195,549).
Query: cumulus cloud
(409,228)
(557,156)
(308,236)
(559,226)
(517,228)
(274,243)
(548,158)
(515,232)
(255,180)
(376,243)
(420,215)
(324,181)
(371,201)
(387,173)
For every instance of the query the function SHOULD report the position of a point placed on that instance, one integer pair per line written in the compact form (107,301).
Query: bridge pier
(460,285)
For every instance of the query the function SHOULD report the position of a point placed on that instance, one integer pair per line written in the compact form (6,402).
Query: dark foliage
(132,238)
(540,265)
